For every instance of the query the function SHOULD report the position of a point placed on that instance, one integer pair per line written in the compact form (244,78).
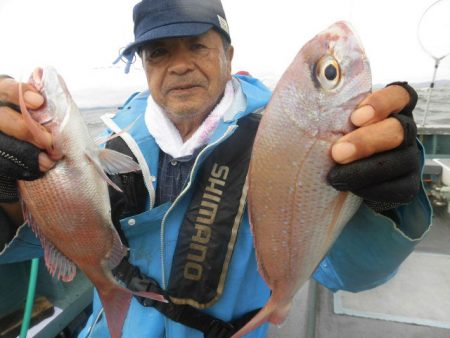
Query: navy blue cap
(159,19)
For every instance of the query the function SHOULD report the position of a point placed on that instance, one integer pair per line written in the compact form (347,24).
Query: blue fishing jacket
(366,254)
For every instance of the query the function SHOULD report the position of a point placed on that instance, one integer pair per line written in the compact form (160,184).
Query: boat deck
(314,311)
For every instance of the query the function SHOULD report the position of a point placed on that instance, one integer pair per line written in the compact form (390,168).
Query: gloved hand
(18,159)
(387,179)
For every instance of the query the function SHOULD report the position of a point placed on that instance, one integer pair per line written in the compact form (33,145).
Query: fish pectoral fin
(151,295)
(114,162)
(98,167)
(102,139)
(99,140)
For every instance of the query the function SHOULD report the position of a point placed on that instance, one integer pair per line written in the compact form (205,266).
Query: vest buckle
(219,329)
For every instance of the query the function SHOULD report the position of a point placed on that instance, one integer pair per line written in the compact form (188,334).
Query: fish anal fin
(58,264)
(116,302)
(118,251)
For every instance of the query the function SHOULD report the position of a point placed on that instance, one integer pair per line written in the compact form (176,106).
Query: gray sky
(82,38)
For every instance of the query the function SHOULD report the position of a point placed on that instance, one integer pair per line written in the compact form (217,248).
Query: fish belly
(69,212)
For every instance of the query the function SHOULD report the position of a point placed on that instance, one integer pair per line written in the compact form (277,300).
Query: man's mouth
(183,87)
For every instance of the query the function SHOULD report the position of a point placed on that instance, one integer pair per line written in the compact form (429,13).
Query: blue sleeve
(24,246)
(372,246)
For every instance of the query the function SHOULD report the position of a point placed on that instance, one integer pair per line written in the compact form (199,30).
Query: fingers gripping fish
(295,215)
(68,208)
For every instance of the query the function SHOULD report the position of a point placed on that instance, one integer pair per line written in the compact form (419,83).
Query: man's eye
(198,46)
(157,53)
(199,49)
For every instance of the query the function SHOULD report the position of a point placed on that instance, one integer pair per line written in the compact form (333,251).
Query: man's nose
(181,62)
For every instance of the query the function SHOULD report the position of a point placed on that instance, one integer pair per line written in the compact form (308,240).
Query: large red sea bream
(295,215)
(69,206)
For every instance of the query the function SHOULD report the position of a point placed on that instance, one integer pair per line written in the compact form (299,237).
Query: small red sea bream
(295,215)
(68,208)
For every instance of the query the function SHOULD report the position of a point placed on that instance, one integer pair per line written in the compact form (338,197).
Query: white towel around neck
(167,135)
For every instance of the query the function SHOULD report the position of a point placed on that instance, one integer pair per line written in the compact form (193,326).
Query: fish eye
(328,72)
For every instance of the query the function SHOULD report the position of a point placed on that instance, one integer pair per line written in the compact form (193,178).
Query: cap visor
(168,31)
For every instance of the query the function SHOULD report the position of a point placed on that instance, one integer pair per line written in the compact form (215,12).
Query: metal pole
(311,310)
(430,90)
(437,60)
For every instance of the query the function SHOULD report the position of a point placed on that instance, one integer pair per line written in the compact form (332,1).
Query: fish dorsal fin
(56,262)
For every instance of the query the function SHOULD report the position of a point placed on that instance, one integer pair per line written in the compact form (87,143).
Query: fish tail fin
(273,312)
(116,302)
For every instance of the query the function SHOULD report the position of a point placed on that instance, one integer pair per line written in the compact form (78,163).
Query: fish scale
(295,215)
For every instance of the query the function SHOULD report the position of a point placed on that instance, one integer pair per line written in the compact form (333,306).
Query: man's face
(187,76)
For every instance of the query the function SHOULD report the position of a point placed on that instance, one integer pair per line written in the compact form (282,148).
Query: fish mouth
(42,119)
(47,121)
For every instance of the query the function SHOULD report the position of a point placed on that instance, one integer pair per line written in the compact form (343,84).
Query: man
(197,119)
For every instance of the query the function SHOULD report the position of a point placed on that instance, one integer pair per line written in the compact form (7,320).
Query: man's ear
(229,56)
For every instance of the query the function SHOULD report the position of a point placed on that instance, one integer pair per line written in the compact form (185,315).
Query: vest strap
(209,231)
(187,315)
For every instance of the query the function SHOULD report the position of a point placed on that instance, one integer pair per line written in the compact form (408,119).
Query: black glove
(6,229)
(18,160)
(389,179)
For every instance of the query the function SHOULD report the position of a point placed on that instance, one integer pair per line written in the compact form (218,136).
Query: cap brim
(167,31)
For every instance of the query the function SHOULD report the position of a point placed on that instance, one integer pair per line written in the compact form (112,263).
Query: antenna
(428,38)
